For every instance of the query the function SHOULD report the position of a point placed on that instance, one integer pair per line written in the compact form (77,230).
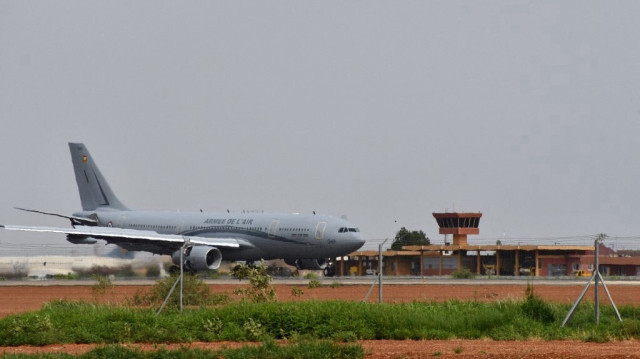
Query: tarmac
(632,281)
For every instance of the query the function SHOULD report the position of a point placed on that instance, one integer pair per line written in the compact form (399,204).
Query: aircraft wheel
(329,271)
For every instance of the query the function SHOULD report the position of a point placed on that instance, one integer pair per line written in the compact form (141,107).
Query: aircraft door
(320,228)
(273,228)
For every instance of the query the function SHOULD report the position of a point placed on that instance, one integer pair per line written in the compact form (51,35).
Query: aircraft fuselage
(265,235)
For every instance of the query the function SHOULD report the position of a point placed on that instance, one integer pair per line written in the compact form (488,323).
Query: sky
(386,111)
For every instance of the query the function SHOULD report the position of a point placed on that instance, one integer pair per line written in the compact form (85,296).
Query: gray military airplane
(306,241)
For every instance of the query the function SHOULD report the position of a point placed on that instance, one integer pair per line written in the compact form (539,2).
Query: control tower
(458,224)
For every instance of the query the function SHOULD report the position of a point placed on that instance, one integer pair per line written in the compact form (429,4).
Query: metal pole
(380,273)
(575,305)
(380,270)
(180,279)
(606,290)
(181,273)
(168,295)
(597,278)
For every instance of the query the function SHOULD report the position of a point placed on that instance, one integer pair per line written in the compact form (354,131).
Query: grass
(268,350)
(311,275)
(85,322)
(195,293)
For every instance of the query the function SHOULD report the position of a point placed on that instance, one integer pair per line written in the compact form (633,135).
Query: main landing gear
(329,270)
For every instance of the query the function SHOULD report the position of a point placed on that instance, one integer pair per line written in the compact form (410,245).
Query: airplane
(307,241)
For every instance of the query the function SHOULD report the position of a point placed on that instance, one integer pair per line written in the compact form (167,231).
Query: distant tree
(405,237)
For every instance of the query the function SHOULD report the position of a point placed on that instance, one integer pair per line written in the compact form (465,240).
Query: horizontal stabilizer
(81,220)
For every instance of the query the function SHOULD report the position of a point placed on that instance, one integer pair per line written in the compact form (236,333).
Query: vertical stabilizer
(93,188)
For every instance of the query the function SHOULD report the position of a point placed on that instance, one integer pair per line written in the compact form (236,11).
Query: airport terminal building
(499,260)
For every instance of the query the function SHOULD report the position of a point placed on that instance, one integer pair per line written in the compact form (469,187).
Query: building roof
(431,248)
(622,261)
(384,253)
(457,214)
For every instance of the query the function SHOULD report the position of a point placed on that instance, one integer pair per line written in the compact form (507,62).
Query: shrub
(253,329)
(296,292)
(463,273)
(311,275)
(535,308)
(213,325)
(103,283)
(68,276)
(260,289)
(194,292)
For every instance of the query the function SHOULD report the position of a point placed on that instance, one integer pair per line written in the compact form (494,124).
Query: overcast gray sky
(386,111)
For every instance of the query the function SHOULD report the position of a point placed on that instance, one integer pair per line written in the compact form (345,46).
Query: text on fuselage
(237,221)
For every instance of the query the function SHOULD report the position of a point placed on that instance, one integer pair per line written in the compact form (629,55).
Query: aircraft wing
(124,236)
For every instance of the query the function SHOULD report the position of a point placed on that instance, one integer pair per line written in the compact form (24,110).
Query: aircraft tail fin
(94,189)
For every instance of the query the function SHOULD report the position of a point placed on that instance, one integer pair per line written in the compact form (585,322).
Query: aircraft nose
(356,241)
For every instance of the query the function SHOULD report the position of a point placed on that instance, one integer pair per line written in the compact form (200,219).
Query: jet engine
(311,264)
(197,258)
(76,239)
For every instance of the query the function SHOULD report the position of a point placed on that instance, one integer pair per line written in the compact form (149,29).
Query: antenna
(598,278)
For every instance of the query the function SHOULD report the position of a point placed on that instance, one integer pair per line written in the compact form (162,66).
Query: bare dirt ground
(25,298)
(405,349)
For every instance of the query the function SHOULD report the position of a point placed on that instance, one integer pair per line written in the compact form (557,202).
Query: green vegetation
(124,271)
(310,275)
(463,273)
(537,309)
(296,292)
(260,289)
(68,276)
(103,283)
(258,317)
(314,283)
(405,237)
(85,322)
(194,293)
(268,350)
